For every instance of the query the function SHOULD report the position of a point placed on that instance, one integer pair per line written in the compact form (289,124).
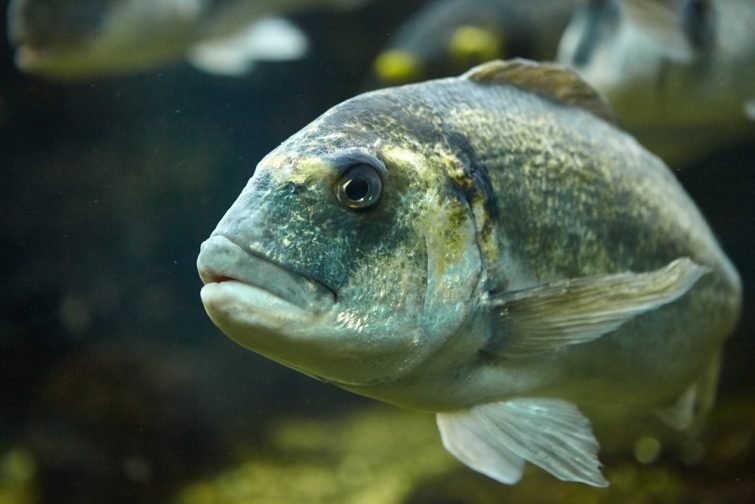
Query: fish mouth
(222,261)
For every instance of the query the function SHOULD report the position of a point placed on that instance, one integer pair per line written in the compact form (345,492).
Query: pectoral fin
(271,38)
(495,439)
(550,316)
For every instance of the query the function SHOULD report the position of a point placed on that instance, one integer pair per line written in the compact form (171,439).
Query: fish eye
(359,187)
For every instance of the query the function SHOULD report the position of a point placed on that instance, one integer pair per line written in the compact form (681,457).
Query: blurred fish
(680,74)
(449,36)
(70,39)
(485,247)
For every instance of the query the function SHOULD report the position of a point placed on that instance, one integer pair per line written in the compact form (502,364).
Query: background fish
(449,36)
(680,74)
(485,248)
(82,38)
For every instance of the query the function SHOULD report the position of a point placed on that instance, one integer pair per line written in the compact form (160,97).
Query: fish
(449,36)
(490,248)
(83,39)
(680,74)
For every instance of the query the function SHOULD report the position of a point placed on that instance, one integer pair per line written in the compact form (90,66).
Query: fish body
(449,36)
(484,247)
(679,74)
(73,39)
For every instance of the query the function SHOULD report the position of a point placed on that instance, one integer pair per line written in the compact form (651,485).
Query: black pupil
(357,189)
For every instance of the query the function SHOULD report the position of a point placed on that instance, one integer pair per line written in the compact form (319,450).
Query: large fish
(487,247)
(680,74)
(74,39)
(446,37)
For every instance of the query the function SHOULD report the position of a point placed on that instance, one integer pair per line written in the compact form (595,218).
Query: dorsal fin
(555,82)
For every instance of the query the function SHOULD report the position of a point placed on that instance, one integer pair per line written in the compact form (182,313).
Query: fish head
(73,39)
(349,255)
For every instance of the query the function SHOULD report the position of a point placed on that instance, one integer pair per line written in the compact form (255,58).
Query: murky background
(114,385)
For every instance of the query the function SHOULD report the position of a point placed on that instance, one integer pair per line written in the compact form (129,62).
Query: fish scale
(521,256)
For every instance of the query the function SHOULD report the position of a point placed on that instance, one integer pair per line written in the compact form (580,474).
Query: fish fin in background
(582,34)
(566,312)
(679,28)
(750,109)
(495,439)
(551,80)
(270,39)
(695,403)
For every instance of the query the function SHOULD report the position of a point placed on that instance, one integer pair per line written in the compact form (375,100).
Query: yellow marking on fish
(474,43)
(404,157)
(397,66)
(298,170)
(445,221)
(487,237)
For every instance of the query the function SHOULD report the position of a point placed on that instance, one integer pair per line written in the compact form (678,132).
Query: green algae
(381,455)
(374,456)
(18,470)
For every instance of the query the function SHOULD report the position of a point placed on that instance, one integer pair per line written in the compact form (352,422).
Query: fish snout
(223,260)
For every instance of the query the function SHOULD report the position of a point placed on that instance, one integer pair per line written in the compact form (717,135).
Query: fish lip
(221,259)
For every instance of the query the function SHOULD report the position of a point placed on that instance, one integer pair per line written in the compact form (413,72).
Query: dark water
(116,387)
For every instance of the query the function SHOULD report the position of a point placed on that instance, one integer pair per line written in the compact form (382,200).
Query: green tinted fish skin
(496,197)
